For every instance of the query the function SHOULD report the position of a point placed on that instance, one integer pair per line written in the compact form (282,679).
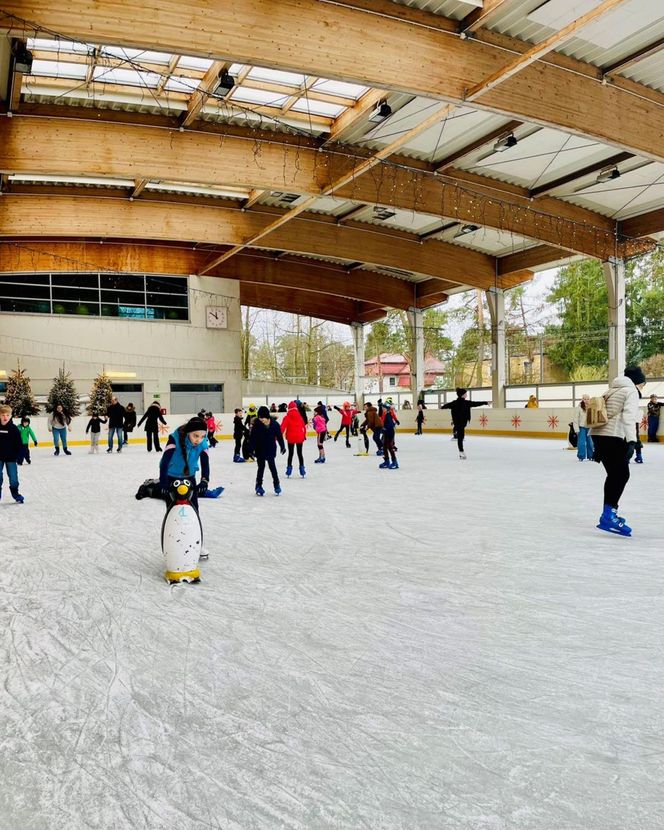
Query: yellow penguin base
(173,577)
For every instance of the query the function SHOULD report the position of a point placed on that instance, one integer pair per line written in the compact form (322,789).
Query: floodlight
(225,82)
(382,111)
(22,57)
(505,143)
(608,175)
(466,229)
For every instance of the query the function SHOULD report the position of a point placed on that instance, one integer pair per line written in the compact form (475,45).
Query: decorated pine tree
(63,392)
(19,394)
(100,394)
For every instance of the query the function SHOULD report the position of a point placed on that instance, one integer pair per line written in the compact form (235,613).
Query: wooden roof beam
(58,215)
(631,60)
(206,88)
(337,309)
(595,167)
(343,126)
(325,40)
(481,17)
(139,187)
(530,258)
(643,225)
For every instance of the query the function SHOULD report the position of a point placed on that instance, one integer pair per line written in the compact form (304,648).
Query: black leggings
(260,471)
(238,446)
(297,447)
(612,454)
(341,429)
(389,453)
(153,436)
(460,433)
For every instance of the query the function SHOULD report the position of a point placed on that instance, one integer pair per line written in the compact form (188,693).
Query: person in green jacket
(26,434)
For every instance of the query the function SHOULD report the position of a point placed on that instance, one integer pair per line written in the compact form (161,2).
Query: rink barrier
(524,423)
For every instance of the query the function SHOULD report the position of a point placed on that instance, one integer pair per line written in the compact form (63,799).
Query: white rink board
(451,645)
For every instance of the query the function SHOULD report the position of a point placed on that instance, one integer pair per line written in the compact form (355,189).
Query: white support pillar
(358,346)
(495,298)
(614,274)
(416,321)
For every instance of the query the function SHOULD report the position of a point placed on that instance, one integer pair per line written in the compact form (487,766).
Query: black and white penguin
(181,534)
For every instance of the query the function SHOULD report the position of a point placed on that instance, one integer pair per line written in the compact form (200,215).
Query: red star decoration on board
(484,420)
(217,426)
(516,421)
(163,429)
(644,422)
(553,421)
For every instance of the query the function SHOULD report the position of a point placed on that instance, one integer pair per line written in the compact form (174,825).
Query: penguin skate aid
(182,532)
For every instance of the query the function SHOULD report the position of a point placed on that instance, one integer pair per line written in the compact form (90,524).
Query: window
(129,296)
(393,381)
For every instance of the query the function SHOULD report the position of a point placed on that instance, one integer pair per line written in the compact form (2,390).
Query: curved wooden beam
(67,216)
(74,147)
(326,39)
(337,309)
(256,269)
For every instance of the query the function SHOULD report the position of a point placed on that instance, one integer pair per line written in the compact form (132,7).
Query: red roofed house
(392,371)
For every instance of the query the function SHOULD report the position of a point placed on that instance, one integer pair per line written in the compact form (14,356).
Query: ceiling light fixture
(22,57)
(608,175)
(383,213)
(224,81)
(382,111)
(505,143)
(466,229)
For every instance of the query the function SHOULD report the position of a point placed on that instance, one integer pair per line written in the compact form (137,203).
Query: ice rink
(450,645)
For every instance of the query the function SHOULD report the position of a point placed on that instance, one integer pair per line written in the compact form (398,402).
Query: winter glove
(202,487)
(36,444)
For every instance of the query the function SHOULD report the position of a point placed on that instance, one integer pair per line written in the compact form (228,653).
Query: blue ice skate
(277,490)
(214,493)
(289,471)
(260,491)
(303,472)
(638,459)
(612,523)
(379,452)
(237,459)
(394,465)
(18,498)
(384,466)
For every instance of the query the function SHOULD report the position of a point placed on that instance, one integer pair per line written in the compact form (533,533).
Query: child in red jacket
(347,414)
(294,431)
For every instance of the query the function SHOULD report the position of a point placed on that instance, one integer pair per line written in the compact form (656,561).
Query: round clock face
(216,318)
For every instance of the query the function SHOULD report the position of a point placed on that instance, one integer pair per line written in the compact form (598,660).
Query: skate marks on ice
(442,646)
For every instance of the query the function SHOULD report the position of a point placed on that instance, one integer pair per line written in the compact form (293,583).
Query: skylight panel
(63,46)
(190,62)
(341,88)
(180,84)
(59,69)
(128,77)
(275,76)
(317,107)
(258,96)
(136,55)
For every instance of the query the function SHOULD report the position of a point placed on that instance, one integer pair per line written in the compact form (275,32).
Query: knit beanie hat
(263,412)
(195,425)
(635,374)
(461,391)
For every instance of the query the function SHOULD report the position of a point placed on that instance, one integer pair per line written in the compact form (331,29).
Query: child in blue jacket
(186,447)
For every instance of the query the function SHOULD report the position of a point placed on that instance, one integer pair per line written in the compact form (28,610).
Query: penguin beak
(182,490)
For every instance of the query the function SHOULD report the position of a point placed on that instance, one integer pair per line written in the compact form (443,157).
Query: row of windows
(97,295)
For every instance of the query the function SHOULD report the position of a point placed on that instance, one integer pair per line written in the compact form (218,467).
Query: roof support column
(495,298)
(614,274)
(416,321)
(357,330)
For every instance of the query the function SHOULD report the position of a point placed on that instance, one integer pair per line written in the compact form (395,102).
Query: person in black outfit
(11,449)
(115,414)
(461,415)
(152,416)
(94,428)
(238,435)
(419,418)
(129,423)
(265,435)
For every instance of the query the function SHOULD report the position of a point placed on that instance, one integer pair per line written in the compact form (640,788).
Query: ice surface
(449,645)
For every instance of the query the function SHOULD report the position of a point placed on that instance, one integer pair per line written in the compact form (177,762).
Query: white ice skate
(462,456)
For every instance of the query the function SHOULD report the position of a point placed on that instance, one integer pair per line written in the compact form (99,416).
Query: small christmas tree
(100,394)
(19,394)
(64,392)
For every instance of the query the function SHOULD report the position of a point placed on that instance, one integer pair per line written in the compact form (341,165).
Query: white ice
(451,645)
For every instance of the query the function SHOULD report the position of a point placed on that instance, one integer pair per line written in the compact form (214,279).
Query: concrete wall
(160,352)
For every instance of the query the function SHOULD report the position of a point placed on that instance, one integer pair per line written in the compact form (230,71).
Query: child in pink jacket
(320,427)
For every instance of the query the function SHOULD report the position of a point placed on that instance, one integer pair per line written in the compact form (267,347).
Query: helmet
(388,401)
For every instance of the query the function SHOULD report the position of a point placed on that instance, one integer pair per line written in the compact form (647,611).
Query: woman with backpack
(613,421)
(584,444)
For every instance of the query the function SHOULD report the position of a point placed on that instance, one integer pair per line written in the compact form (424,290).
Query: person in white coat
(613,442)
(584,447)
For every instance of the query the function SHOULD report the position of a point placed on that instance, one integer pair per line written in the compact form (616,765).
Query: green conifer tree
(100,394)
(64,392)
(19,394)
